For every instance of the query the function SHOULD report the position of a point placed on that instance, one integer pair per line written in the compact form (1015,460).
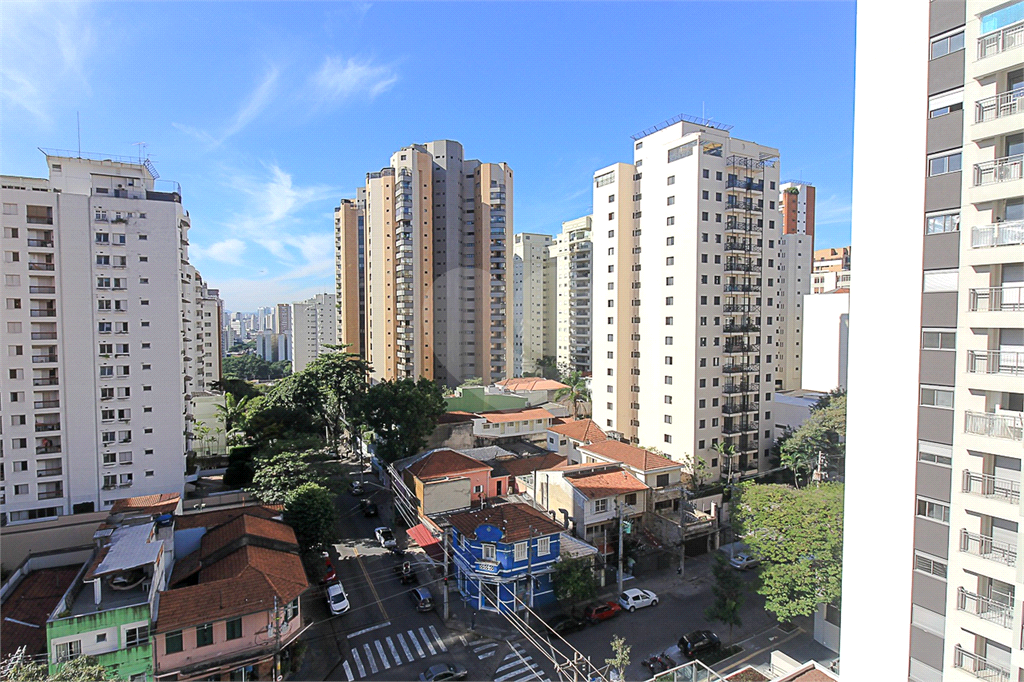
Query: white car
(634,599)
(337,599)
(385,537)
(744,561)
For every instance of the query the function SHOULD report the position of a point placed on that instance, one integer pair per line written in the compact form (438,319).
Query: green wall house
(476,399)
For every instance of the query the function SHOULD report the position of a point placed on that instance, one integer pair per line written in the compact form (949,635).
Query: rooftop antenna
(78,115)
(142,149)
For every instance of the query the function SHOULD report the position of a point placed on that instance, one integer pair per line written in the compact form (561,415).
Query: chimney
(565,517)
(97,591)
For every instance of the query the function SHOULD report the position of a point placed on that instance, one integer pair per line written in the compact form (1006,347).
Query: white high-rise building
(936,409)
(532,282)
(572,255)
(796,246)
(104,338)
(684,281)
(314,327)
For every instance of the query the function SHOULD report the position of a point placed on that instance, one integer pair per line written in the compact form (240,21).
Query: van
(422,599)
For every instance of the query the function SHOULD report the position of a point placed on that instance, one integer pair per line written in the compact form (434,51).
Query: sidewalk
(798,644)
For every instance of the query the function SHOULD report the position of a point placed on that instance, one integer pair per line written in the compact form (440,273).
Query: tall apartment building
(572,254)
(796,246)
(350,265)
(104,338)
(945,397)
(684,280)
(282,318)
(831,270)
(314,327)
(436,230)
(532,286)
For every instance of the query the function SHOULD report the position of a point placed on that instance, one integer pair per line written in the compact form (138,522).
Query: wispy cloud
(45,51)
(228,251)
(248,110)
(340,79)
(832,211)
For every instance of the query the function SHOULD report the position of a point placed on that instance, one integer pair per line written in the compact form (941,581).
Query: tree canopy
(402,414)
(823,432)
(252,367)
(339,384)
(727,591)
(574,580)
(575,392)
(278,474)
(798,533)
(79,669)
(309,510)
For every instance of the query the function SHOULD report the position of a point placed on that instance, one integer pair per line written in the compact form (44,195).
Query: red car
(329,575)
(601,611)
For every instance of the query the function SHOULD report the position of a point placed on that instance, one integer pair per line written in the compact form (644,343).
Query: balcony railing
(741,348)
(741,388)
(44,312)
(733,368)
(988,485)
(43,473)
(979,666)
(44,336)
(993,610)
(51,495)
(44,358)
(50,426)
(993,425)
(41,266)
(998,106)
(47,449)
(46,381)
(42,290)
(741,288)
(740,408)
(742,267)
(742,427)
(998,234)
(745,327)
(988,548)
(744,184)
(995,362)
(996,299)
(40,242)
(1006,39)
(1006,169)
(43,404)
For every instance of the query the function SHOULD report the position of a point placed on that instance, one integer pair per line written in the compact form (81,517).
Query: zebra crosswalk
(519,666)
(392,650)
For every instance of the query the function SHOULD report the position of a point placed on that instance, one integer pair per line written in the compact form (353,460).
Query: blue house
(505,556)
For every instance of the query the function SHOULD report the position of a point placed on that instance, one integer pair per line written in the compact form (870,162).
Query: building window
(926,564)
(937,397)
(942,223)
(136,636)
(519,551)
(543,546)
(933,510)
(947,163)
(661,481)
(630,498)
(234,628)
(668,438)
(938,340)
(488,553)
(68,650)
(944,46)
(204,635)
(600,506)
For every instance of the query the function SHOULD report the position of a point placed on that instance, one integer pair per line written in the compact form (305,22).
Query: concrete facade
(826,341)
(531,284)
(573,255)
(796,245)
(314,327)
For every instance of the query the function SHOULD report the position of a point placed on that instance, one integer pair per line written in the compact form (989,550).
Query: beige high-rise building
(314,328)
(107,332)
(572,254)
(436,230)
(532,289)
(936,412)
(350,264)
(796,246)
(684,279)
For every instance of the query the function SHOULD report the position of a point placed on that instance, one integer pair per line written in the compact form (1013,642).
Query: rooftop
(130,547)
(30,604)
(444,462)
(527,465)
(531,384)
(518,415)
(163,503)
(605,483)
(515,520)
(638,458)
(217,517)
(581,430)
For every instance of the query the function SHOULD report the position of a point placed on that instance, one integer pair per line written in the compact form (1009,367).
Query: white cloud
(227,251)
(340,79)
(247,112)
(833,210)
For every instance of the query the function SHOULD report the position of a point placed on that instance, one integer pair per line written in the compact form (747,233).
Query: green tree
(575,392)
(821,437)
(240,388)
(309,510)
(697,468)
(80,669)
(727,451)
(280,473)
(402,414)
(340,383)
(620,657)
(280,369)
(549,367)
(799,535)
(574,580)
(249,367)
(728,593)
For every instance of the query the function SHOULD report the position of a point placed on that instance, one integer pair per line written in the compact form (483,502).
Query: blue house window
(520,551)
(488,552)
(543,546)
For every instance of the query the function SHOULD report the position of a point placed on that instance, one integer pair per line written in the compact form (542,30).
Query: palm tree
(575,391)
(232,410)
(726,450)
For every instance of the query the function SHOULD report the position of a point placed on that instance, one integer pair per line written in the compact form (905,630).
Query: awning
(422,536)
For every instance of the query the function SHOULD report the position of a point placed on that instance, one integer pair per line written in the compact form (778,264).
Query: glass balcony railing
(998,234)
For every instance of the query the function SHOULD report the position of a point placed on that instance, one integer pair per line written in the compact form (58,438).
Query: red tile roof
(246,525)
(531,384)
(520,466)
(30,604)
(606,484)
(638,458)
(580,430)
(518,415)
(217,517)
(515,520)
(456,417)
(164,503)
(440,463)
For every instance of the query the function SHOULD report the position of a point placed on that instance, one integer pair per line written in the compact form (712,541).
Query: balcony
(744,328)
(998,234)
(47,426)
(979,666)
(45,404)
(992,610)
(734,368)
(47,449)
(740,308)
(36,359)
(1009,426)
(1006,169)
(987,485)
(1009,363)
(988,548)
(53,471)
(741,388)
(998,106)
(740,408)
(44,312)
(46,381)
(741,427)
(46,243)
(1000,41)
(742,267)
(735,224)
(741,348)
(745,185)
(746,206)
(51,494)
(44,336)
(48,267)
(996,299)
(42,290)
(741,288)
(747,247)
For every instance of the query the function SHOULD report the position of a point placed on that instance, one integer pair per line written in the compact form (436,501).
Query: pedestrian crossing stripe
(348,671)
(359,663)
(369,658)
(427,641)
(383,657)
(405,647)
(440,643)
(416,643)
(485,647)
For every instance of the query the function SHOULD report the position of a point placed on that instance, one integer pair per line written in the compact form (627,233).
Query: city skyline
(267,129)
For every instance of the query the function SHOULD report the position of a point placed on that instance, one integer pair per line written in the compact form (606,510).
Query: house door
(498,488)
(488,596)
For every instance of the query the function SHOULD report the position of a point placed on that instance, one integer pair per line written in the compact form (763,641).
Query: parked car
(443,671)
(634,599)
(329,575)
(337,599)
(369,507)
(357,488)
(421,599)
(385,537)
(599,611)
(698,642)
(743,562)
(565,624)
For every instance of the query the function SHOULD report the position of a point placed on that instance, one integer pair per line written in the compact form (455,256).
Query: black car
(564,624)
(369,507)
(406,573)
(697,642)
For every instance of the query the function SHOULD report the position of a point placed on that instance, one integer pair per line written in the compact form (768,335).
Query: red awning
(422,536)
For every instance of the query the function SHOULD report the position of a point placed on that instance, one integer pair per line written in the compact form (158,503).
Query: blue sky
(268,114)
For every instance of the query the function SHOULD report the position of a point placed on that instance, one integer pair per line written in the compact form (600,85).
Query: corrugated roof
(531,384)
(130,547)
(518,415)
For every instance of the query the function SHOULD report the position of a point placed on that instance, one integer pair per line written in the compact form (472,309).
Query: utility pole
(529,571)
(445,587)
(277,641)
(682,532)
(622,510)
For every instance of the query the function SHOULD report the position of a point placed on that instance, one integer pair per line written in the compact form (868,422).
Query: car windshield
(386,534)
(338,597)
(625,596)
